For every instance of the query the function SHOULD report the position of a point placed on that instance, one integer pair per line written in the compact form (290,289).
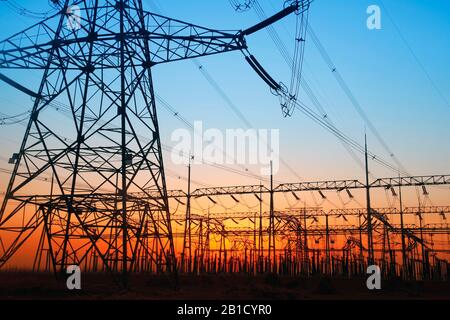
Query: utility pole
(200,248)
(207,245)
(305,243)
(253,258)
(424,271)
(361,253)
(327,246)
(369,213)
(260,235)
(187,240)
(402,226)
(272,249)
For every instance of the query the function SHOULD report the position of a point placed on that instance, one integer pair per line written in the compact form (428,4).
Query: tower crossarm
(87,22)
(168,39)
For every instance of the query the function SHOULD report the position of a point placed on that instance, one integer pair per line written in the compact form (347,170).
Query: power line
(21,10)
(356,104)
(242,6)
(352,97)
(66,110)
(290,61)
(323,121)
(344,138)
(229,103)
(416,58)
(222,94)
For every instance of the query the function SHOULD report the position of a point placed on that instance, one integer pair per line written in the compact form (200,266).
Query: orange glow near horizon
(242,246)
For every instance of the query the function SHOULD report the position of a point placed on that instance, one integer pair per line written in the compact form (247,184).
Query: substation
(92,191)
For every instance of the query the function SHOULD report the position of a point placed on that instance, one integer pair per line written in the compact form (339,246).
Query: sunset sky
(398,75)
(385,74)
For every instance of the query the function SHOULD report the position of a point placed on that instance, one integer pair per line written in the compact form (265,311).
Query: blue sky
(379,68)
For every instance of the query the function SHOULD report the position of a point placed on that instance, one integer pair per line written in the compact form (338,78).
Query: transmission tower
(105,197)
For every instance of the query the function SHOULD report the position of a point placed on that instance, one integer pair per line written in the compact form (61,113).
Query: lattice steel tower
(107,198)
(104,200)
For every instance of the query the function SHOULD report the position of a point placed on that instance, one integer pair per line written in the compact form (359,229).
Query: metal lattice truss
(332,185)
(108,197)
(292,224)
(99,28)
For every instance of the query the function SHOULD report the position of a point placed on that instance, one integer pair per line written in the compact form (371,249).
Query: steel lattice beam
(332,185)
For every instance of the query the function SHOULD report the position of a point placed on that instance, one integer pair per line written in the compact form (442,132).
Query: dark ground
(27,285)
